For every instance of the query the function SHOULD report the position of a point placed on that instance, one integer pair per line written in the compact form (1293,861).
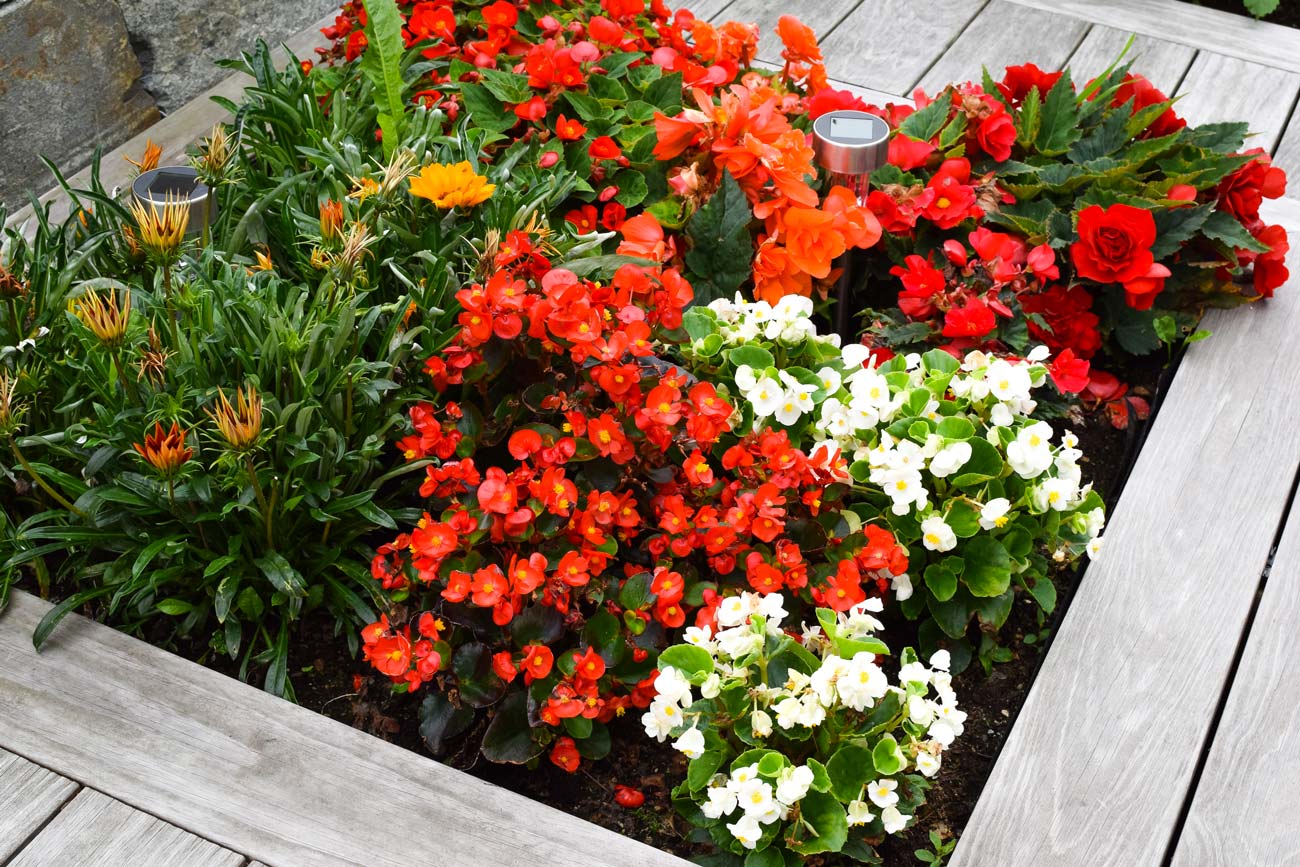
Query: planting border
(258,775)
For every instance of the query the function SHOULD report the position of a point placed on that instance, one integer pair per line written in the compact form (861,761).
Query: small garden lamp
(157,186)
(849,145)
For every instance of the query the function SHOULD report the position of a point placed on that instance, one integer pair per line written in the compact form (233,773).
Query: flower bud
(761,723)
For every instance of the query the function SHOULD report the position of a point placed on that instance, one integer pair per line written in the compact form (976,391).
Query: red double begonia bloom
(1114,246)
(975,319)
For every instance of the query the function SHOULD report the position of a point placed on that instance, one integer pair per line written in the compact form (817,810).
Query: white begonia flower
(902,587)
(941,660)
(1031,453)
(1069,440)
(882,792)
(830,379)
(760,723)
(756,799)
(942,683)
(691,743)
(854,355)
(672,686)
(921,710)
(788,711)
(912,360)
(1039,353)
(1001,415)
(793,784)
(739,641)
(824,678)
(1094,547)
(904,487)
(1008,381)
(893,820)
(993,514)
(732,611)
(860,813)
(812,712)
(862,416)
(948,725)
(936,535)
(745,378)
(746,830)
(1055,494)
(1096,521)
(712,686)
(835,418)
(927,764)
(975,360)
(721,801)
(772,607)
(740,776)
(660,720)
(766,396)
(870,387)
(700,636)
(950,459)
(914,672)
(863,684)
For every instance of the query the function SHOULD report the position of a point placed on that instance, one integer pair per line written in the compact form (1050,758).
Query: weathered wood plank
(704,9)
(821,16)
(257,774)
(1197,26)
(96,831)
(1003,35)
(887,45)
(1243,812)
(29,796)
(876,97)
(1219,88)
(1165,63)
(1287,155)
(1099,762)
(174,133)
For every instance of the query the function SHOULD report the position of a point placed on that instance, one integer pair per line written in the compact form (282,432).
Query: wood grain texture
(888,45)
(1165,63)
(1219,88)
(1101,757)
(96,831)
(877,97)
(821,16)
(1003,35)
(1287,155)
(174,133)
(29,796)
(704,9)
(1244,809)
(1197,26)
(257,774)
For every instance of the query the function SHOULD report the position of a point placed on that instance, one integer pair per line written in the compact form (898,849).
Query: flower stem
(171,311)
(45,486)
(261,500)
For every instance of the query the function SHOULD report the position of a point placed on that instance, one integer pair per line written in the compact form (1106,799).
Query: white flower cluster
(851,405)
(804,700)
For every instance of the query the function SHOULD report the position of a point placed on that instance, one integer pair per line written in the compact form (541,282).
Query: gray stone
(68,82)
(180,41)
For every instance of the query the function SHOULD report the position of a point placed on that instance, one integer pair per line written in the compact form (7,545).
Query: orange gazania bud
(148,160)
(331,220)
(240,425)
(165,450)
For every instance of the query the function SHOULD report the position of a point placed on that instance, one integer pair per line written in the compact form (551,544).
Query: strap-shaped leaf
(381,63)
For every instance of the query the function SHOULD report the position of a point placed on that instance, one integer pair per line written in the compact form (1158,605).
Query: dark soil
(1287,12)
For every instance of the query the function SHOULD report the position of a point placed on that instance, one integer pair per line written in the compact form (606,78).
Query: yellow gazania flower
(264,262)
(103,316)
(240,425)
(162,227)
(451,186)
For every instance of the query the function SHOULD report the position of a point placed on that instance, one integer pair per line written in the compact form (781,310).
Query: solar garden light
(849,145)
(156,186)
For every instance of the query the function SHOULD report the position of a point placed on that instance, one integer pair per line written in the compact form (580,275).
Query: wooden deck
(1162,730)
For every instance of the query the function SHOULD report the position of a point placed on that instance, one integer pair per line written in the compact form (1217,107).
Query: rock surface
(76,74)
(68,82)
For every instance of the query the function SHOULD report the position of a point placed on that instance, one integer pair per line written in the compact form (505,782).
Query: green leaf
(58,612)
(849,770)
(694,662)
(721,255)
(478,684)
(925,124)
(485,109)
(1224,138)
(751,356)
(440,720)
(702,768)
(1226,229)
(1260,8)
(941,582)
(1134,330)
(1176,226)
(665,93)
(508,737)
(988,567)
(381,64)
(828,821)
(886,757)
(1060,123)
(175,607)
(1029,121)
(507,86)
(281,574)
(769,857)
(1105,139)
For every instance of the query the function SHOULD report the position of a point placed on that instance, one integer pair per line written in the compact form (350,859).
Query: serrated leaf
(722,252)
(1060,118)
(485,109)
(1226,229)
(1176,226)
(381,64)
(1106,138)
(1030,118)
(925,124)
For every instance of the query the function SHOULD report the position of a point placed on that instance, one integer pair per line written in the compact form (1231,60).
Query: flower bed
(507,360)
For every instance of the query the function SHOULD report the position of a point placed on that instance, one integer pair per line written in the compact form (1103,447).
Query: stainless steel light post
(850,145)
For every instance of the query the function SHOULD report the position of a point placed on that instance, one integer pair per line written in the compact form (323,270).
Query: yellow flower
(240,425)
(11,410)
(450,186)
(264,262)
(162,227)
(102,315)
